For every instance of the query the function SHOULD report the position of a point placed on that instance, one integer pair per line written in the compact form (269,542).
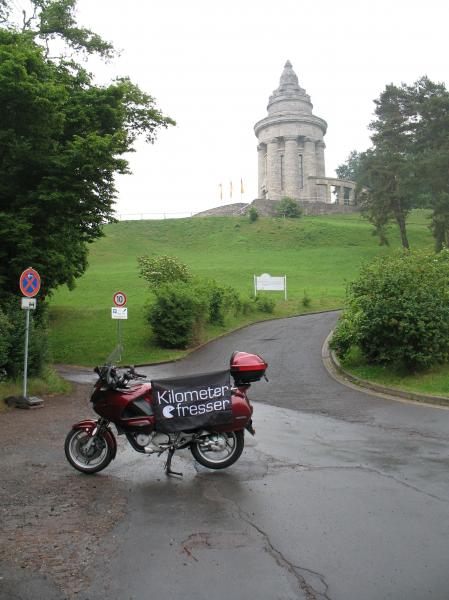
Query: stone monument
(291,149)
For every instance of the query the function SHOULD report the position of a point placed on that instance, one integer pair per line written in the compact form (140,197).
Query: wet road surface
(341,495)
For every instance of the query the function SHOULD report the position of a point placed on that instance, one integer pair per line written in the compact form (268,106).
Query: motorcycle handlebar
(109,375)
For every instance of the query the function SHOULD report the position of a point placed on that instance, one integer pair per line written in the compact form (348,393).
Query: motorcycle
(210,418)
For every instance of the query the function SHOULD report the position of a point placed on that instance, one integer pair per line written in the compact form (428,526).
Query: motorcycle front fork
(99,427)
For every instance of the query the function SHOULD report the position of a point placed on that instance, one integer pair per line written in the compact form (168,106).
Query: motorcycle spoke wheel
(218,450)
(83,458)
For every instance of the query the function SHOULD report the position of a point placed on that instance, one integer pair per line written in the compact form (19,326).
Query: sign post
(30,284)
(120,313)
(266,282)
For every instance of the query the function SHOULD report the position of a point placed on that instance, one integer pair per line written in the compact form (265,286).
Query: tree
(162,269)
(287,207)
(350,169)
(382,192)
(431,150)
(62,140)
(407,165)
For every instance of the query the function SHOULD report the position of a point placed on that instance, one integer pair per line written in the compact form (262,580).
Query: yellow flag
(242,191)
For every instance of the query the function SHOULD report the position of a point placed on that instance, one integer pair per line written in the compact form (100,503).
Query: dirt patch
(52,518)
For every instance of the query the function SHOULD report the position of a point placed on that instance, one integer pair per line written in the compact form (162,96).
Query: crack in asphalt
(294,570)
(299,467)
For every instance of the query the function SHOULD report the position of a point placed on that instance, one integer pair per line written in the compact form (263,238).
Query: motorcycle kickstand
(168,470)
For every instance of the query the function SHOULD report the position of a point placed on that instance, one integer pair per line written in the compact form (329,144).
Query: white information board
(119,312)
(267,283)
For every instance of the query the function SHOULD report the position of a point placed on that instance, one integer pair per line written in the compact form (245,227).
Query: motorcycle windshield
(115,356)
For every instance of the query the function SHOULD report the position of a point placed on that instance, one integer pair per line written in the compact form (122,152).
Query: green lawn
(435,381)
(318,254)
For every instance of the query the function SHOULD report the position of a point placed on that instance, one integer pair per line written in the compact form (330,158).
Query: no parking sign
(30,283)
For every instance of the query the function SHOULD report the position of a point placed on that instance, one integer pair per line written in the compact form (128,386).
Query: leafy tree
(289,208)
(62,140)
(387,170)
(350,168)
(162,269)
(407,165)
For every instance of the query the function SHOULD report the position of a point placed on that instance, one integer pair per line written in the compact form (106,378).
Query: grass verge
(434,382)
(49,383)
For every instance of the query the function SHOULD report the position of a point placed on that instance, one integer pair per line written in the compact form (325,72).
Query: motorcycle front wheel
(85,458)
(218,450)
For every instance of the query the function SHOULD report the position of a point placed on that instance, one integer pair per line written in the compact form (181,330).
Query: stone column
(320,165)
(352,196)
(291,167)
(340,195)
(273,170)
(261,154)
(309,166)
(328,194)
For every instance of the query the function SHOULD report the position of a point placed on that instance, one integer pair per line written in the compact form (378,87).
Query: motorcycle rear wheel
(218,450)
(93,460)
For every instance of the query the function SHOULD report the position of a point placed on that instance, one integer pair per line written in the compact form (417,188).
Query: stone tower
(291,147)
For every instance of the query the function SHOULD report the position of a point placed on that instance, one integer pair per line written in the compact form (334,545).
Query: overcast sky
(212,65)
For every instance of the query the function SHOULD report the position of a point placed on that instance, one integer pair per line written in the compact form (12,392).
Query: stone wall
(267,208)
(228,210)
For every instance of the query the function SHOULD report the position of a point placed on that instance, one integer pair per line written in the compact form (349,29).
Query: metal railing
(141,216)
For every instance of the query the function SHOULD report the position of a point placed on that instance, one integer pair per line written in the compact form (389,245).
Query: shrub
(253,214)
(162,269)
(177,314)
(5,341)
(398,311)
(248,306)
(14,340)
(288,208)
(306,300)
(265,304)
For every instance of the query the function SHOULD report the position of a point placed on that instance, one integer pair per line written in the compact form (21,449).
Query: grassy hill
(318,254)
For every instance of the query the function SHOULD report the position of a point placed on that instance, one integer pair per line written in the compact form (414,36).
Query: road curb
(333,366)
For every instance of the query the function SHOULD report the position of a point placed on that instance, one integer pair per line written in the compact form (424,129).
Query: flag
(242,191)
(230,189)
(221,191)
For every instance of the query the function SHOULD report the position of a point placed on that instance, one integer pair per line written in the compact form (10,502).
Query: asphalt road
(342,495)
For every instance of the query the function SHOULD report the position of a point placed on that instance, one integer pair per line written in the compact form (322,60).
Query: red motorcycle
(204,413)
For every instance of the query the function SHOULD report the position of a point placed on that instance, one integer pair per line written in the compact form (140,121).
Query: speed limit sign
(119,299)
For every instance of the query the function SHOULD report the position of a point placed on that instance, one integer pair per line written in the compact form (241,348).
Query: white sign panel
(267,283)
(119,312)
(29,303)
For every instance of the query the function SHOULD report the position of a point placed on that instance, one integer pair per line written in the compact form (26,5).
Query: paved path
(341,495)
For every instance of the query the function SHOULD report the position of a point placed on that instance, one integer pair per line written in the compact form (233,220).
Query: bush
(177,314)
(5,341)
(288,208)
(12,332)
(398,311)
(265,304)
(306,299)
(253,214)
(162,269)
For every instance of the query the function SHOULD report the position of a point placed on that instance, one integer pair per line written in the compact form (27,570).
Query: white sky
(212,65)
